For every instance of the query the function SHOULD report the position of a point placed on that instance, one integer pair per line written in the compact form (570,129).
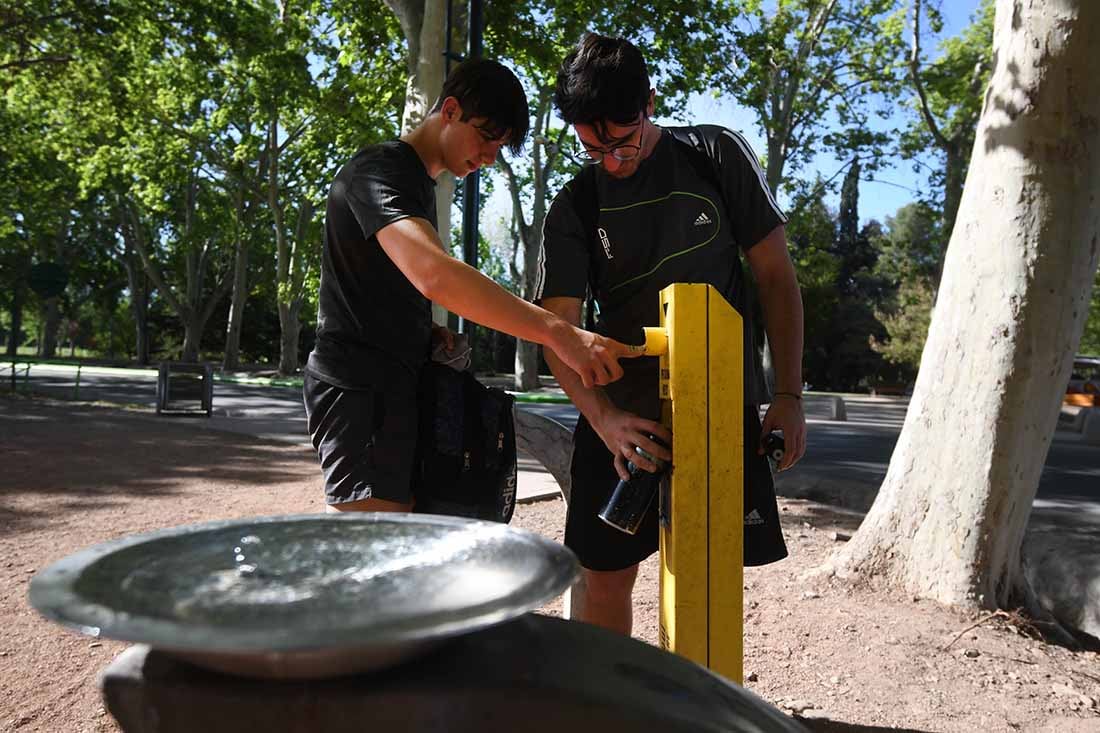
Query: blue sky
(893,186)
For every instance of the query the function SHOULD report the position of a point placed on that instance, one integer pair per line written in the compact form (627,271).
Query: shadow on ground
(120,455)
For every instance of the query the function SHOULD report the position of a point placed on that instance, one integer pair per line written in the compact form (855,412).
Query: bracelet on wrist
(788,394)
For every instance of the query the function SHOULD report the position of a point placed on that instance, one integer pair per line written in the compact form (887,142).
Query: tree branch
(517,205)
(5,27)
(134,234)
(25,63)
(914,74)
(297,132)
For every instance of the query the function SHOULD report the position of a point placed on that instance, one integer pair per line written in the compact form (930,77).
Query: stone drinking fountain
(369,622)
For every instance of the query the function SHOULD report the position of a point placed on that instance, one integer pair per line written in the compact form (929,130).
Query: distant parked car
(1084,382)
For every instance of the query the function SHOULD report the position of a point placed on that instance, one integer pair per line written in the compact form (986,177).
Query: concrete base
(536,674)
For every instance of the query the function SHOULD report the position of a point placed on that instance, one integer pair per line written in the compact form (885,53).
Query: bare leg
(603,598)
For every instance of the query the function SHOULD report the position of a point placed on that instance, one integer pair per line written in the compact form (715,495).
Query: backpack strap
(586,204)
(702,154)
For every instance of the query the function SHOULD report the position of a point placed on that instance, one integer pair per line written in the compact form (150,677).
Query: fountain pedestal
(533,674)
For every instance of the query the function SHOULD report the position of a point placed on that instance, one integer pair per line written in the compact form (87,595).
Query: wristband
(788,394)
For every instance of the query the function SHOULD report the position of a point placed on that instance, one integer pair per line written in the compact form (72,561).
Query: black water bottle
(631,498)
(774,447)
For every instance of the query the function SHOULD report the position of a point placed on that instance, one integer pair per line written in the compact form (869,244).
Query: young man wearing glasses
(654,207)
(382,267)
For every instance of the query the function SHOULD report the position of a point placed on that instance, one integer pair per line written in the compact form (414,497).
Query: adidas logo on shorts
(753,518)
(702,219)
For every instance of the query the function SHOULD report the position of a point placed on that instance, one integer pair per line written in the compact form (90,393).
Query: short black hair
(487,89)
(602,80)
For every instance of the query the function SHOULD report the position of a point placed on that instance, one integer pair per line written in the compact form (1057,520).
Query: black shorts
(600,546)
(365,438)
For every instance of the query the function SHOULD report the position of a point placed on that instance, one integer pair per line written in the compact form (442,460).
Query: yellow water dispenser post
(700,346)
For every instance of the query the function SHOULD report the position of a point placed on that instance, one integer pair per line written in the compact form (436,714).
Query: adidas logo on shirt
(703,219)
(753,518)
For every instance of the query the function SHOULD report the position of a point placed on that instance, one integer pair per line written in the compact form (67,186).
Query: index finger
(626,351)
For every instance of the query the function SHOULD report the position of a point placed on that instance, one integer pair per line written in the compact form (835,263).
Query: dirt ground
(842,658)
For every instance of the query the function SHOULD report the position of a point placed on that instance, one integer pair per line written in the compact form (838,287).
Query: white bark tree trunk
(527,242)
(424,23)
(949,520)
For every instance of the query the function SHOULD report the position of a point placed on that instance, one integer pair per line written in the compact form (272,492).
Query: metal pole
(471,185)
(448,52)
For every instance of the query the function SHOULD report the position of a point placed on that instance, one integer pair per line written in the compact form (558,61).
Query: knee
(608,585)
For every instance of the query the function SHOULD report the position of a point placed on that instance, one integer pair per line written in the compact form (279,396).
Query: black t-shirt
(662,225)
(373,325)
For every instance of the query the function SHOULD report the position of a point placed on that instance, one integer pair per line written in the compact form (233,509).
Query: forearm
(412,245)
(781,302)
(463,290)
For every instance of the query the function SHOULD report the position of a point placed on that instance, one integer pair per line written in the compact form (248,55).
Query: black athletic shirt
(662,225)
(372,324)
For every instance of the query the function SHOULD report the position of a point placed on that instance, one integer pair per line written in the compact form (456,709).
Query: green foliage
(906,320)
(835,263)
(810,233)
(810,70)
(158,115)
(1090,339)
(911,248)
(954,81)
(912,245)
(953,88)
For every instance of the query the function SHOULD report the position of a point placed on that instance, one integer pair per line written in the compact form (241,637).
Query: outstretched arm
(412,245)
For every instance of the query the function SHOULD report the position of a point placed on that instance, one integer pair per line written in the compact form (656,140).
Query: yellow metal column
(701,506)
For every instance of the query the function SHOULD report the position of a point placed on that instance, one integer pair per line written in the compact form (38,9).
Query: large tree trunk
(51,308)
(192,333)
(527,353)
(289,328)
(140,306)
(139,301)
(240,292)
(949,520)
(18,297)
(527,238)
(232,358)
(50,315)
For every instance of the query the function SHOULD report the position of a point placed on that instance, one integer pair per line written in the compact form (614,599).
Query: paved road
(844,465)
(856,451)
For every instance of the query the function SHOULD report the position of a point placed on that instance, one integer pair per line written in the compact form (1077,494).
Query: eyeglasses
(621,153)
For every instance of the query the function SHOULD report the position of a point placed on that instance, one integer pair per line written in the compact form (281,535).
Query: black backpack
(466,453)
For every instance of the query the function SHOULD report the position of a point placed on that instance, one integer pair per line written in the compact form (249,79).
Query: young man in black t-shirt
(664,212)
(382,267)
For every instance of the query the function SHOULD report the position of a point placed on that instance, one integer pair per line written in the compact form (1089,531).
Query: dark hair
(489,90)
(602,80)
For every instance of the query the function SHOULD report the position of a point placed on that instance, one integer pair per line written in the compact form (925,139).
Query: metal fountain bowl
(304,596)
